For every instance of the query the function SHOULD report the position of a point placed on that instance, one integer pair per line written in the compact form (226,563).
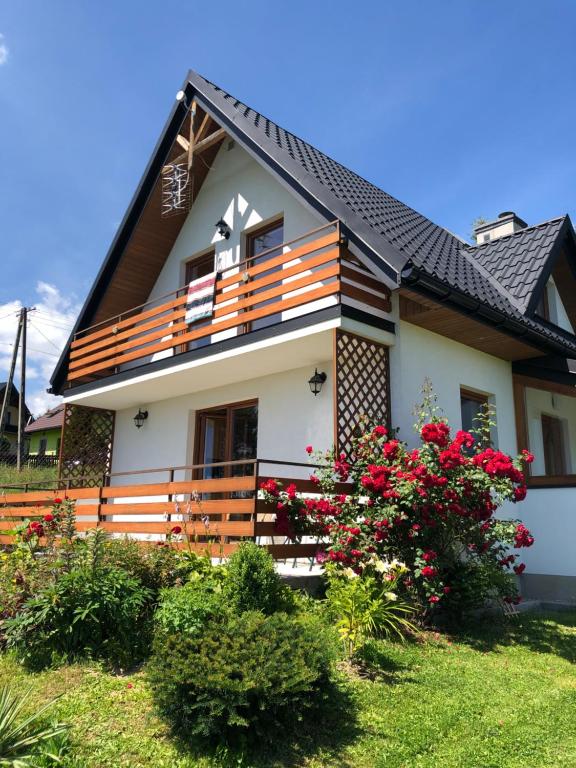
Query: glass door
(261,246)
(225,434)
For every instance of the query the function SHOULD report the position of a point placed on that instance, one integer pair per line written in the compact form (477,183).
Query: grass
(500,696)
(9,475)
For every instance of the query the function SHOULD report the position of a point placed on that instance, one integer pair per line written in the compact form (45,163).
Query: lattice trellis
(362,386)
(86,450)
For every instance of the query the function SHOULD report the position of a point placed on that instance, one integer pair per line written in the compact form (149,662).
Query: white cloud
(49,326)
(3,51)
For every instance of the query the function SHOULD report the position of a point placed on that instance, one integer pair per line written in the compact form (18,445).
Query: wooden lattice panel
(362,386)
(86,450)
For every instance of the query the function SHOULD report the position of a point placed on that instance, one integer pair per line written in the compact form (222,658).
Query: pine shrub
(252,583)
(243,678)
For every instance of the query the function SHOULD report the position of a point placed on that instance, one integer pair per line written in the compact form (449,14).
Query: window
(43,445)
(553,445)
(472,405)
(546,426)
(198,267)
(262,245)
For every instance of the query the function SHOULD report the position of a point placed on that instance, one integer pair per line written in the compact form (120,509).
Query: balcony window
(546,425)
(261,246)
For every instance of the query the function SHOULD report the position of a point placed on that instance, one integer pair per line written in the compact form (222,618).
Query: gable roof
(400,244)
(517,261)
(52,419)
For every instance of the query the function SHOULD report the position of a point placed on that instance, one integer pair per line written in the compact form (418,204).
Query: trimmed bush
(253,584)
(103,614)
(242,678)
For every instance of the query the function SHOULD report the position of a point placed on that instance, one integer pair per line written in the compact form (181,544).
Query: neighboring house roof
(53,419)
(14,398)
(402,244)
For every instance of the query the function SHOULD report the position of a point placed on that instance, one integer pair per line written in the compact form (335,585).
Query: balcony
(216,505)
(312,273)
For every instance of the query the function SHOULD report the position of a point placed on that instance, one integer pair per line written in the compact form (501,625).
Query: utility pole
(22,400)
(9,383)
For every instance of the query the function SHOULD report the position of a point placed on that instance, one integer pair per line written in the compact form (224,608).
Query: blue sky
(459,108)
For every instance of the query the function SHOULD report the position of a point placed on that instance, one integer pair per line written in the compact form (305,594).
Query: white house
(320,276)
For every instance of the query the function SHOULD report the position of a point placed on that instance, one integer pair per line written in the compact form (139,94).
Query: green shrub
(156,567)
(103,614)
(187,609)
(243,678)
(253,584)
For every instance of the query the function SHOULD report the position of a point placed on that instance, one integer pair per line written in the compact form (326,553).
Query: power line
(32,325)
(31,349)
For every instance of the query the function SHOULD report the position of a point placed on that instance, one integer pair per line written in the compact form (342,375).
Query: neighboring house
(324,282)
(9,431)
(45,433)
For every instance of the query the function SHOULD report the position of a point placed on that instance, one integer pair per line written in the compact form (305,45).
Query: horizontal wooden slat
(274,277)
(280,290)
(35,511)
(304,486)
(278,261)
(167,321)
(205,507)
(217,485)
(289,551)
(130,321)
(364,278)
(378,302)
(245,317)
(219,528)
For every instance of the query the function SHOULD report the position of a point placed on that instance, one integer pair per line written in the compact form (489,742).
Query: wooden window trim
(200,257)
(471,395)
(199,431)
(520,384)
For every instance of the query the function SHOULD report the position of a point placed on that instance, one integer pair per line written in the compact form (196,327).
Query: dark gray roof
(491,274)
(517,261)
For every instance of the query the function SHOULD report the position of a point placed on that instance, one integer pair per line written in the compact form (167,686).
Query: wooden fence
(215,514)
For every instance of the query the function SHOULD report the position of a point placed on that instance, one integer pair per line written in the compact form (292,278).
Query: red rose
(527,456)
(428,572)
(48,518)
(433,599)
(520,493)
(176,529)
(429,555)
(520,568)
(380,431)
(447,590)
(309,449)
(57,501)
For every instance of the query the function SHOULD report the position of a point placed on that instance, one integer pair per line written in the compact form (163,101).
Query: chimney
(506,224)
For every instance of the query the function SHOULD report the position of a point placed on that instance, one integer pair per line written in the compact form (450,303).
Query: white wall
(240,190)
(419,353)
(550,514)
(289,418)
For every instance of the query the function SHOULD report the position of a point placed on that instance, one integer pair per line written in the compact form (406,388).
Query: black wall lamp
(223,229)
(140,417)
(316,382)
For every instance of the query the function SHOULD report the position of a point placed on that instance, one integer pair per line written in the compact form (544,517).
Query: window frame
(520,384)
(479,397)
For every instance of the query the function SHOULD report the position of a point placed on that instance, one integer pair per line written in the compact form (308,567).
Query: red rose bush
(432,508)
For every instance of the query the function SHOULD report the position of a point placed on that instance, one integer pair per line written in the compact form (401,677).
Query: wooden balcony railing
(314,267)
(215,514)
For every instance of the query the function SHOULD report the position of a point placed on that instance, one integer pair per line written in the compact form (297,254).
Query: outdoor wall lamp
(140,417)
(223,229)
(316,382)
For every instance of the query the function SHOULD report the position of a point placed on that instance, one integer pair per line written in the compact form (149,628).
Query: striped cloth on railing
(200,298)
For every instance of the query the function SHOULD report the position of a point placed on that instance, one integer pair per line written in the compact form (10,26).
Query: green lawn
(501,696)
(9,475)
